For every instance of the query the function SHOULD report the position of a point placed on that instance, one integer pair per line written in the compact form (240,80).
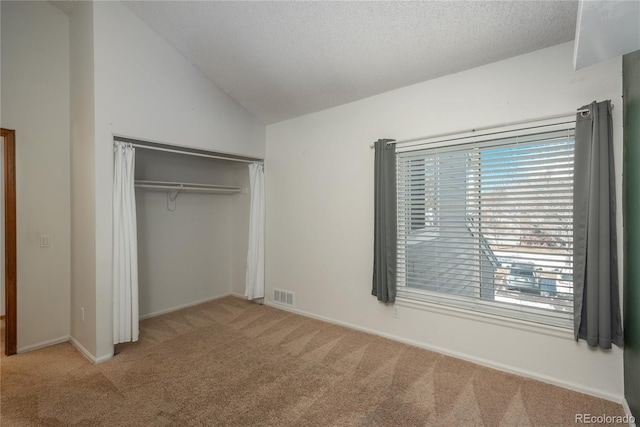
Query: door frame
(10,267)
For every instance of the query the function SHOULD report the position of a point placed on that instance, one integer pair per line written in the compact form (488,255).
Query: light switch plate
(45,240)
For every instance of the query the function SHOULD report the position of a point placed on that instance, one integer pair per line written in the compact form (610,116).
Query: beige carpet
(231,362)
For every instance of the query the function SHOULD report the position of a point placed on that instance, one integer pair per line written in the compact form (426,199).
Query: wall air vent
(283,297)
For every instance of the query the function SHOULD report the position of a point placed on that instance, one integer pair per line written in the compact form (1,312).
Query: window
(485,223)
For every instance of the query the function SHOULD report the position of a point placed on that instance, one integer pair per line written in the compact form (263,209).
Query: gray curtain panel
(384,241)
(595,260)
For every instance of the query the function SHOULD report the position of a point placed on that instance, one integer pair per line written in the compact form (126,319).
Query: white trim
(82,350)
(482,316)
(103,358)
(627,411)
(43,344)
(480,361)
(559,134)
(180,307)
(86,353)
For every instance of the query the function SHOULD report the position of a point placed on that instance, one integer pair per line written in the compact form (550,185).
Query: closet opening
(192,218)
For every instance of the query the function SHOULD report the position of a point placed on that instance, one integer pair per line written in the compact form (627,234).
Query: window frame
(476,304)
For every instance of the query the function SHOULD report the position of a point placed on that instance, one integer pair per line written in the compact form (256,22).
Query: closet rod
(199,188)
(188,151)
(187,187)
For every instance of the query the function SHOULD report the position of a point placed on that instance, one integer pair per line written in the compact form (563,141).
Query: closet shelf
(187,187)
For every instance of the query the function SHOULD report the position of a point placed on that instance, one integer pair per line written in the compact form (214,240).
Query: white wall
(185,256)
(82,124)
(145,89)
(320,209)
(35,102)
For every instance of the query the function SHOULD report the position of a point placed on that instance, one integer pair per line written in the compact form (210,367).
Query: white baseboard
(104,358)
(82,350)
(180,307)
(43,344)
(627,411)
(470,358)
(86,353)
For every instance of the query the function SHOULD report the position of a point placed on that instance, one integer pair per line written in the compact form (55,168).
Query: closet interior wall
(196,252)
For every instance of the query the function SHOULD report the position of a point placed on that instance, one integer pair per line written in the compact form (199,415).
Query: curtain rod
(521,122)
(188,151)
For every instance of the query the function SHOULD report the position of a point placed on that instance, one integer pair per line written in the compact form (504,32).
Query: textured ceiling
(285,59)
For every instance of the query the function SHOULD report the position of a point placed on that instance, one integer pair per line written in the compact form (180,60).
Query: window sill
(492,319)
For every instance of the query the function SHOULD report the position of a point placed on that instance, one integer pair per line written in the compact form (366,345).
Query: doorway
(10,267)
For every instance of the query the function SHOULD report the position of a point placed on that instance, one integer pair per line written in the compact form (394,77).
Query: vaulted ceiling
(283,59)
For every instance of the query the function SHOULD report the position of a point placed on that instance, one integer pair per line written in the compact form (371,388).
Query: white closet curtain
(255,255)
(125,246)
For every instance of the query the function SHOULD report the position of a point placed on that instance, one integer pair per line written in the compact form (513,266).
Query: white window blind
(485,223)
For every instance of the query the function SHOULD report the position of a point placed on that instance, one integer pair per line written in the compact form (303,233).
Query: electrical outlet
(395,313)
